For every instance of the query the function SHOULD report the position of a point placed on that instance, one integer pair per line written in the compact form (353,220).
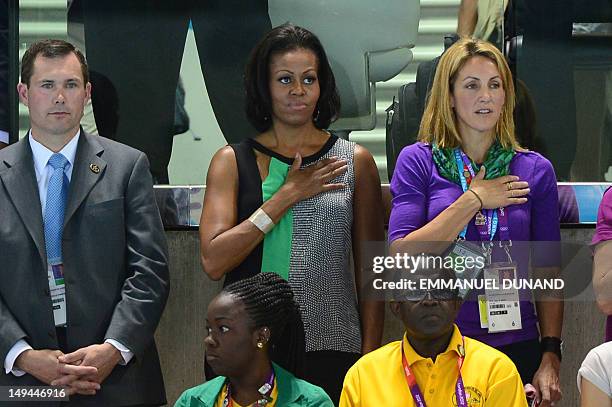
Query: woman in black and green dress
(298,201)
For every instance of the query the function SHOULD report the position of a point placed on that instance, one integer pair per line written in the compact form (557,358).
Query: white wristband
(262,221)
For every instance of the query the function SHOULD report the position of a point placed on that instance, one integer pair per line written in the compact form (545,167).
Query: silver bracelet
(262,221)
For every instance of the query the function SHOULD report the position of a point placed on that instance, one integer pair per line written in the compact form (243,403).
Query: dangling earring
(316,116)
(260,345)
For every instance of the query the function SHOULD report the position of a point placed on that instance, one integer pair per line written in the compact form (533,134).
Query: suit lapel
(21,186)
(87,171)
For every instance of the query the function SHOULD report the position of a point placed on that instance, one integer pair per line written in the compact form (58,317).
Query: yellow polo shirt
(490,378)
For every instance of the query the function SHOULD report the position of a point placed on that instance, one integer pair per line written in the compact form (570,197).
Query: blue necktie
(55,207)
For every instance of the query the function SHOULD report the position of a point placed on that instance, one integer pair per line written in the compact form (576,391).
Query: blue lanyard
(491,220)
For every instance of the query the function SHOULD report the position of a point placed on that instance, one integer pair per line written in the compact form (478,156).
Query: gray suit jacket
(115,265)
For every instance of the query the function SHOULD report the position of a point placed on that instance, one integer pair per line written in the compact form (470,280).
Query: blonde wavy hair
(439,123)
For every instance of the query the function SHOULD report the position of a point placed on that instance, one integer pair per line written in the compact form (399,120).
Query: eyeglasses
(434,294)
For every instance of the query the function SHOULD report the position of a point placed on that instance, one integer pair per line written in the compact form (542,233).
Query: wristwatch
(552,344)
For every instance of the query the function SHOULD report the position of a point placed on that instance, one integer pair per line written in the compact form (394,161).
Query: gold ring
(509,185)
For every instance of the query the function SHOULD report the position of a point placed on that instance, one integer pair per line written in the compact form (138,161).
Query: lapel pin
(94,168)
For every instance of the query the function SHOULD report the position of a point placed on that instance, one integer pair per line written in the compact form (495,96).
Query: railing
(181,206)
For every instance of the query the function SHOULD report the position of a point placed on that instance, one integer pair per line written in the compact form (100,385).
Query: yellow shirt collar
(453,346)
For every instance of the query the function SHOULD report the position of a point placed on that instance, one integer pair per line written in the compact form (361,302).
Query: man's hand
(45,366)
(546,380)
(42,364)
(103,357)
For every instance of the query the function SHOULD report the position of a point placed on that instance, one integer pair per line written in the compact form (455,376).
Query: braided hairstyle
(269,302)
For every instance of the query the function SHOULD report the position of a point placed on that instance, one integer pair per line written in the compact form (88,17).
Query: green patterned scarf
(497,162)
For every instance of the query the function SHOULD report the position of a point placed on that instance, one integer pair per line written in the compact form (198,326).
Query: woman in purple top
(602,261)
(467,164)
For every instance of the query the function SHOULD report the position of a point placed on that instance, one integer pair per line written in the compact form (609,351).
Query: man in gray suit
(83,256)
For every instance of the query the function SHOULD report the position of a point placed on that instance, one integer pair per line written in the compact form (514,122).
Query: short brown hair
(50,48)
(439,123)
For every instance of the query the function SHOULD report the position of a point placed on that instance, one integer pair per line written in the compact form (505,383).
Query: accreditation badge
(467,260)
(503,309)
(482,311)
(57,290)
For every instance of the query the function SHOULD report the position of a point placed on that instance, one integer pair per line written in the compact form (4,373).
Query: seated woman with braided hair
(255,341)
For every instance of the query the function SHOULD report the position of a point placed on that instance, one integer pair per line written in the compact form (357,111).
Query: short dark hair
(50,48)
(269,302)
(282,39)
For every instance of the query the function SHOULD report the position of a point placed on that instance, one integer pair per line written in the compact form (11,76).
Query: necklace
(265,391)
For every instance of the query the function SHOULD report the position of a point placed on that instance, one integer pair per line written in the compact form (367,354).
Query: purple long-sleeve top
(603,232)
(420,194)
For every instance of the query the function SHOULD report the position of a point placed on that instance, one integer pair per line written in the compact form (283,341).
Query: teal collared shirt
(292,392)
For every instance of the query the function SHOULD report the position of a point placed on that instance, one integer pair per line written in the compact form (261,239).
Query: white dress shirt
(43,170)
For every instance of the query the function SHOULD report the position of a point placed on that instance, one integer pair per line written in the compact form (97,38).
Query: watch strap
(552,344)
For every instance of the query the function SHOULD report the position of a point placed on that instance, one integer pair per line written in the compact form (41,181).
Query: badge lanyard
(265,391)
(419,400)
(488,220)
(57,289)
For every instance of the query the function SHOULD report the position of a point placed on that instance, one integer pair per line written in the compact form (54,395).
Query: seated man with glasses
(433,365)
